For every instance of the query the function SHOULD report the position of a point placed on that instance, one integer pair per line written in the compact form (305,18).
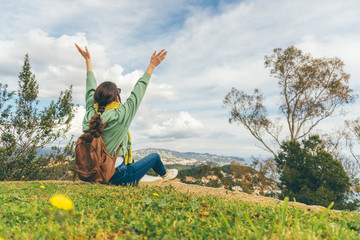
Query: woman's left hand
(85,54)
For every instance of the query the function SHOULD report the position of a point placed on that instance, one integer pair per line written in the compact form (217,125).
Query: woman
(103,104)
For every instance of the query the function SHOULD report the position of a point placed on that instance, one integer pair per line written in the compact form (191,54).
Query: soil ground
(242,196)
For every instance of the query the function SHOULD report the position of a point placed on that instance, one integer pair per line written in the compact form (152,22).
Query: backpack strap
(104,125)
(114,159)
(117,152)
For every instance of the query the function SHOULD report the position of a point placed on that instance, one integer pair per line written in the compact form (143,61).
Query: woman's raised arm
(87,57)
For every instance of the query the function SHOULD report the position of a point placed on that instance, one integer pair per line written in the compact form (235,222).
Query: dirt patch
(242,196)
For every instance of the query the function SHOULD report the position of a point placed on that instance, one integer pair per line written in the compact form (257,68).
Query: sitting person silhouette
(103,104)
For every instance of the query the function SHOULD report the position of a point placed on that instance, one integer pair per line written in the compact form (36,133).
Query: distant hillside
(187,158)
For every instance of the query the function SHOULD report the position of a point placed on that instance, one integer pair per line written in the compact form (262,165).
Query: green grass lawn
(110,212)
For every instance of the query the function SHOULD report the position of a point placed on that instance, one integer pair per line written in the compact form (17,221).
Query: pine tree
(25,128)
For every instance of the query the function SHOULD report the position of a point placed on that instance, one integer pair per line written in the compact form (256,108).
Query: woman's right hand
(156,59)
(85,54)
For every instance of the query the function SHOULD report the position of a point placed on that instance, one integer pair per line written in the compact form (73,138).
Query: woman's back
(104,107)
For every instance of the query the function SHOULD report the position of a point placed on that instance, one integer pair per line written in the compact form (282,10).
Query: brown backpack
(93,161)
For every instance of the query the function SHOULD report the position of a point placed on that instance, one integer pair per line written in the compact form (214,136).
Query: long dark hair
(104,94)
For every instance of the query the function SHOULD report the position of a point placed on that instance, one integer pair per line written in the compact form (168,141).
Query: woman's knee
(155,155)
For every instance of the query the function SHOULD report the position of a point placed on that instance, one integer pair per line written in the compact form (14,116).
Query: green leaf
(147,200)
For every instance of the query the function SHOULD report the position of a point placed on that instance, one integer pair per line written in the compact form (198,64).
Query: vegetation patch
(111,212)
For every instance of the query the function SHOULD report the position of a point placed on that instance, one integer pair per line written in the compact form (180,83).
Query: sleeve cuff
(89,74)
(147,76)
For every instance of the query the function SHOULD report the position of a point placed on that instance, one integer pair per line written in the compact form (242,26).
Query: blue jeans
(132,173)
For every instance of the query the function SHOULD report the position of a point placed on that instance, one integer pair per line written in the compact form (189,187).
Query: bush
(311,175)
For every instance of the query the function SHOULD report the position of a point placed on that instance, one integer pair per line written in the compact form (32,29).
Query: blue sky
(212,46)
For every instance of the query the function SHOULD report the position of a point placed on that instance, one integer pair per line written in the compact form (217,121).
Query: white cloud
(57,65)
(174,126)
(210,50)
(76,123)
(155,92)
(343,47)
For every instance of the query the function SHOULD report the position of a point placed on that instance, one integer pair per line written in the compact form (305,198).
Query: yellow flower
(61,202)
(42,186)
(23,177)
(155,194)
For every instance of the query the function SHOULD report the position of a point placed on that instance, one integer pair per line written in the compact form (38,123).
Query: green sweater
(120,119)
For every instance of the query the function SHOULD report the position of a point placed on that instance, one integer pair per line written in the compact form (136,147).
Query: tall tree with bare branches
(311,90)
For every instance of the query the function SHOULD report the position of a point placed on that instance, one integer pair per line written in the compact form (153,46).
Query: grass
(110,212)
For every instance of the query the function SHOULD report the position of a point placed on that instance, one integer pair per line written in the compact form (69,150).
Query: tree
(265,167)
(353,138)
(25,129)
(311,175)
(311,90)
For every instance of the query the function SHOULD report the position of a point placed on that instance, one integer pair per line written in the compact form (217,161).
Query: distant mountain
(187,158)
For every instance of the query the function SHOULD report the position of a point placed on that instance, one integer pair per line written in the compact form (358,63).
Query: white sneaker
(171,174)
(150,180)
